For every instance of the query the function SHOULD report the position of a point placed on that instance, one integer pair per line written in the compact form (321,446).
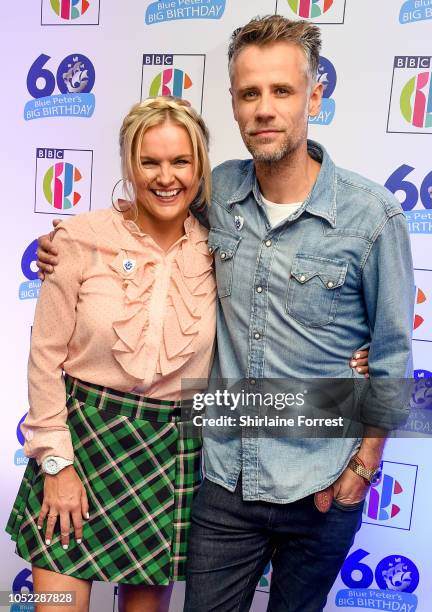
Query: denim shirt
(296,300)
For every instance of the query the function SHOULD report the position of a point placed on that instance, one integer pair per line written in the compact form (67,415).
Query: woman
(129,312)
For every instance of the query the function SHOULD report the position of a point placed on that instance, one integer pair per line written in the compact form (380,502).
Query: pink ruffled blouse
(118,311)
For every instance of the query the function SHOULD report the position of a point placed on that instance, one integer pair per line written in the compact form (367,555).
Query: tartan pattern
(140,473)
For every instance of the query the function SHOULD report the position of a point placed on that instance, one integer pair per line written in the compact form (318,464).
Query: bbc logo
(50,153)
(409,61)
(158,60)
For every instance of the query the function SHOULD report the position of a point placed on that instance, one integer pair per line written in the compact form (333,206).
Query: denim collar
(320,202)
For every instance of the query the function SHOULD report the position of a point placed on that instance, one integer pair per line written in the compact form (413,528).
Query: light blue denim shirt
(297,300)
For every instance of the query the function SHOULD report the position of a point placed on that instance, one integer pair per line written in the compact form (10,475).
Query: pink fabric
(142,331)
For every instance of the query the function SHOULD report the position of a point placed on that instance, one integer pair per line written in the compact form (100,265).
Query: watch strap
(359,468)
(61,463)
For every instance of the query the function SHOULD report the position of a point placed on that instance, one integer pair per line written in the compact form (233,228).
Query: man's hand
(350,488)
(46,253)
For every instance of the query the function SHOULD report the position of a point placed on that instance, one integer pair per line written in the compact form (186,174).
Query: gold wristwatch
(370,475)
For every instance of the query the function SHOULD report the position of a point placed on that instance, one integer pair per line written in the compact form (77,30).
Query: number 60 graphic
(75,74)
(394,573)
(396,183)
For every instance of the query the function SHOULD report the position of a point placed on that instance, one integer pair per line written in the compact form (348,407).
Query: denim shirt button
(252,381)
(330,284)
(268,243)
(302,278)
(259,289)
(223,255)
(257,335)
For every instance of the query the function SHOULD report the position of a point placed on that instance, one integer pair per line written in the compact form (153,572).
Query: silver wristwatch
(52,465)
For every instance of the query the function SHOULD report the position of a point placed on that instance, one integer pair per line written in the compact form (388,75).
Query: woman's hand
(64,498)
(46,253)
(360,363)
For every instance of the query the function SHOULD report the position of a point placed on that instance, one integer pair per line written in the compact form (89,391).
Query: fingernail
(87,515)
(353,363)
(79,541)
(65,546)
(39,527)
(47,542)
(357,355)
(358,369)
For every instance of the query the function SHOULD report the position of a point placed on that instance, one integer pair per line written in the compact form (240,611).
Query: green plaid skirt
(140,470)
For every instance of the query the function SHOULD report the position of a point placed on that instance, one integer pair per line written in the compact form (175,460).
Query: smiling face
(166,184)
(272,98)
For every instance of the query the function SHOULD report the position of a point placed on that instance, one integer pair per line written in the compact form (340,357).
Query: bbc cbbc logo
(170,74)
(390,500)
(319,11)
(410,108)
(70,12)
(63,181)
(423,309)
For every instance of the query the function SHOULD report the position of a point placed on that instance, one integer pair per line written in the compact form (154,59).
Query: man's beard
(283,151)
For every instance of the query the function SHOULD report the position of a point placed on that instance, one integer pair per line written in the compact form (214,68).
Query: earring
(128,191)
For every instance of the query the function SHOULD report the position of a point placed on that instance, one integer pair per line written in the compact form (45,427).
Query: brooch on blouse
(129,264)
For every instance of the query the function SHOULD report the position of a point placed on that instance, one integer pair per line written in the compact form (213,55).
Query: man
(311,261)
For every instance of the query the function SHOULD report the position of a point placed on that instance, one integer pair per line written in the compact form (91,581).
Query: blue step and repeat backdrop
(71,70)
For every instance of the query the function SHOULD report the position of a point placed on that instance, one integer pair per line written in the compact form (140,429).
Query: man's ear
(315,99)
(233,104)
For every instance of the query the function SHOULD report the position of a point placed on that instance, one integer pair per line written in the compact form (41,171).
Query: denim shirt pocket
(223,245)
(314,288)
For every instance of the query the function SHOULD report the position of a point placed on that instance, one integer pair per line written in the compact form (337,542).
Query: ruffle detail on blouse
(129,349)
(192,292)
(190,296)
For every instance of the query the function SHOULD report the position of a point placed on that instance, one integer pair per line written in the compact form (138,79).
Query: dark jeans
(232,541)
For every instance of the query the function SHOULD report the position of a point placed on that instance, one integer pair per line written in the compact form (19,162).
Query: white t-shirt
(277,213)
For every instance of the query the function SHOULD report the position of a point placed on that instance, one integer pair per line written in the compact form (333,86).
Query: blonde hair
(156,111)
(275,28)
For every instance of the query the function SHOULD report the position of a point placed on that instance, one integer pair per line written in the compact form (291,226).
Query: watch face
(51,466)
